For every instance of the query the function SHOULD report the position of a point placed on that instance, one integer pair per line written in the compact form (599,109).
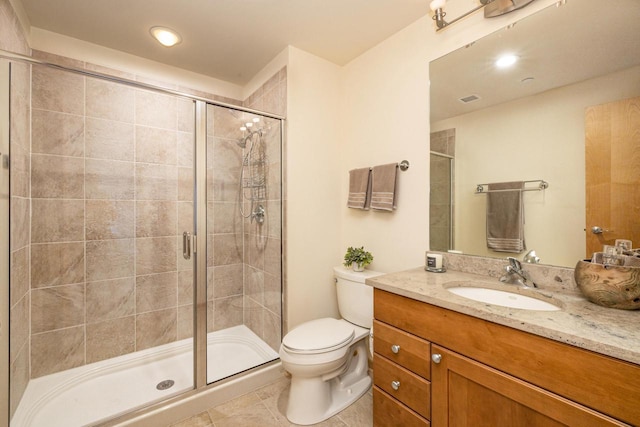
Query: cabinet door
(467,393)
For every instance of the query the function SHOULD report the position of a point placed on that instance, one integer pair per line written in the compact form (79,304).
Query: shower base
(108,388)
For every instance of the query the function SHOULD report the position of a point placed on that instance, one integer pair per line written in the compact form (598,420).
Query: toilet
(328,358)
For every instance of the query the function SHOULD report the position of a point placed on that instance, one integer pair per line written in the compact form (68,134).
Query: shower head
(242,142)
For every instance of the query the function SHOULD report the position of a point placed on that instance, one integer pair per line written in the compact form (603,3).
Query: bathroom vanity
(444,360)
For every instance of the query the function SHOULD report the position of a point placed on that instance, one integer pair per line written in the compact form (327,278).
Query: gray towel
(505,217)
(359,188)
(383,187)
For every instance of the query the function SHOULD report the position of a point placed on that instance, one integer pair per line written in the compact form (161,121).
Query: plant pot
(357,267)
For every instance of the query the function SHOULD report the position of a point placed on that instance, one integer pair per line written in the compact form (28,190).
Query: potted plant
(357,258)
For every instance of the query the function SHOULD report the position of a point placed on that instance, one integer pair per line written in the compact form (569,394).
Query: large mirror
(529,122)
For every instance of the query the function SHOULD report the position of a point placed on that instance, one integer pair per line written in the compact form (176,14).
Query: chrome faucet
(514,269)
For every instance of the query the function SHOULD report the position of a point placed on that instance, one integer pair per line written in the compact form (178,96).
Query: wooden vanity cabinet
(484,374)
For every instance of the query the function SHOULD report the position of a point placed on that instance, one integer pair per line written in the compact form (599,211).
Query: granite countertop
(579,322)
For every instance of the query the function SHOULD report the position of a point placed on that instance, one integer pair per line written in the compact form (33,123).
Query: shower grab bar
(542,185)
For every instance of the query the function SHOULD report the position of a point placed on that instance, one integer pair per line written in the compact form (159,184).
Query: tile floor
(266,407)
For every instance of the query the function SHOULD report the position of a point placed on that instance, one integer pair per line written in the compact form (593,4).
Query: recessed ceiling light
(506,61)
(166,36)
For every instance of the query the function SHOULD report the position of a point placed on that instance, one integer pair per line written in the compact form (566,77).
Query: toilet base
(313,400)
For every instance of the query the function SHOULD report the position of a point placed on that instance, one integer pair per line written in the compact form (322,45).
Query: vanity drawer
(388,412)
(411,352)
(410,389)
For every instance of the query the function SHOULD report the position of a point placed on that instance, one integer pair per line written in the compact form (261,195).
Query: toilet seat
(319,336)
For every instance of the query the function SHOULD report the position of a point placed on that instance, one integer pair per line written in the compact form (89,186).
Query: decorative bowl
(609,285)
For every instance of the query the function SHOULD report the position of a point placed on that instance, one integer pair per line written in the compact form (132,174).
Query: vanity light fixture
(166,36)
(493,8)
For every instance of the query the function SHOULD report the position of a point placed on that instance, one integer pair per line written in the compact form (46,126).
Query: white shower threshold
(93,392)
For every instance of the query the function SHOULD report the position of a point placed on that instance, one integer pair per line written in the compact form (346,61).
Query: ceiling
(229,40)
(556,47)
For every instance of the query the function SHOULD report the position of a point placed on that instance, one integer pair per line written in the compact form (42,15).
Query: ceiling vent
(468,99)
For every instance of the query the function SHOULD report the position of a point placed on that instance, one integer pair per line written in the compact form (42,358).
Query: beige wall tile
(20,224)
(254,248)
(108,139)
(57,307)
(55,264)
(227,122)
(186,115)
(155,255)
(19,279)
(57,177)
(57,220)
(20,171)
(228,280)
(155,145)
(109,100)
(109,219)
(186,182)
(156,110)
(227,312)
(156,218)
(19,375)
(57,351)
(185,287)
(272,330)
(185,321)
(108,179)
(18,327)
(57,90)
(273,293)
(57,133)
(254,316)
(156,328)
(110,338)
(156,182)
(226,217)
(110,299)
(227,249)
(185,149)
(227,162)
(110,259)
(254,284)
(274,219)
(185,217)
(182,263)
(156,292)
(272,257)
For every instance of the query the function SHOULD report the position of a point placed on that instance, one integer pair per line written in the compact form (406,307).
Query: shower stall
(145,243)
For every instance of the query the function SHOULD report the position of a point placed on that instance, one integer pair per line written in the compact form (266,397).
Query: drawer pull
(395,348)
(436,357)
(395,385)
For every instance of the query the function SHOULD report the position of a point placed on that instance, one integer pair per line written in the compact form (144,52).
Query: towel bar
(542,185)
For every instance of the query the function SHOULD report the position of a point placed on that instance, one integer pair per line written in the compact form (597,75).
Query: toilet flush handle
(395,348)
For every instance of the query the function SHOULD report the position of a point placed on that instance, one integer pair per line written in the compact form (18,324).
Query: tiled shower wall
(12,39)
(112,183)
(441,194)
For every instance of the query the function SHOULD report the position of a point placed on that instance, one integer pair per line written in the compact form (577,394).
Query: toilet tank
(355,297)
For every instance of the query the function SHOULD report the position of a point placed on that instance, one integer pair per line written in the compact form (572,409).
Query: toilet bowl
(328,358)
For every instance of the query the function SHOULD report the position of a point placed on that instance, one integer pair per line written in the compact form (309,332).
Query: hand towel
(505,217)
(359,188)
(384,180)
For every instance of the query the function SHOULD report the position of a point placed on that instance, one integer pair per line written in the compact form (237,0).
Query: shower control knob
(395,348)
(436,357)
(395,385)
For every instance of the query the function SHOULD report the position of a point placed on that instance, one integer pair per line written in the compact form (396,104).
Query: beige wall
(550,146)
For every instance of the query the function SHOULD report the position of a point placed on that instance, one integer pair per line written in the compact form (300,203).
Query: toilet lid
(319,335)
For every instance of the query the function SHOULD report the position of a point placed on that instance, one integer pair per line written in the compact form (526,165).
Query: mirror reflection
(577,65)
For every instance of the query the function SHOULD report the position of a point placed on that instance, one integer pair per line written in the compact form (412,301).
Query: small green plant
(358,256)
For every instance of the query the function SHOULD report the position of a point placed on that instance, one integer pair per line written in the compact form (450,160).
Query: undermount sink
(502,298)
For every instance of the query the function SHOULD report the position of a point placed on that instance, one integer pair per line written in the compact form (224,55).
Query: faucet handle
(514,263)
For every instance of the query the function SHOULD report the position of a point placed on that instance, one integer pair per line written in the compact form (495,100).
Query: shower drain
(163,385)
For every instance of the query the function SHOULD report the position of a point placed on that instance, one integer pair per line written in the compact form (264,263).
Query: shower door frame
(199,244)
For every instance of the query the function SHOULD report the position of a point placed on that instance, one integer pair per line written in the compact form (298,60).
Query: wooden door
(465,393)
(612,164)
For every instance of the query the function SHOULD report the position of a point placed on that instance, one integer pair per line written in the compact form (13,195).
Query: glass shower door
(109,303)
(244,241)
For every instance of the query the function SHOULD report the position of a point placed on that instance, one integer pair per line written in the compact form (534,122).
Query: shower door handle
(186,245)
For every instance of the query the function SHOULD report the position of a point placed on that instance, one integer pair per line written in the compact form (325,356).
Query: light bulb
(506,61)
(256,120)
(166,36)
(243,128)
(248,124)
(437,4)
